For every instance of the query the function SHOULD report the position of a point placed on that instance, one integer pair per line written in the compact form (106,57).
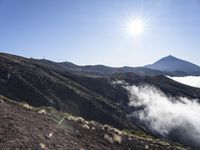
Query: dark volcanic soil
(24,127)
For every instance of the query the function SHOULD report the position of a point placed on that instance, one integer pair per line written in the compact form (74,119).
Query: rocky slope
(26,127)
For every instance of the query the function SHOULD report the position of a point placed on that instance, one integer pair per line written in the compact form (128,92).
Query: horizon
(101,64)
(96,32)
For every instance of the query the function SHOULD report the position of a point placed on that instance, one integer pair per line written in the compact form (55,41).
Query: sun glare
(136,26)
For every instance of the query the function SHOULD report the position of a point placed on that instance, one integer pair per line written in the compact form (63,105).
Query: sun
(135,27)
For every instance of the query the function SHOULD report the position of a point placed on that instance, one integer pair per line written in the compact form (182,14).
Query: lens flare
(135,26)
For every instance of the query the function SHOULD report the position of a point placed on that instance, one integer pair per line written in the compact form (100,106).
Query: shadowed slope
(40,86)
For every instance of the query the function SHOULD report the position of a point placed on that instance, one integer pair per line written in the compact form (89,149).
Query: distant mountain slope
(169,65)
(106,70)
(172,64)
(168,86)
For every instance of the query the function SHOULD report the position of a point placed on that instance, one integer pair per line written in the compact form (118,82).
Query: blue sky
(94,31)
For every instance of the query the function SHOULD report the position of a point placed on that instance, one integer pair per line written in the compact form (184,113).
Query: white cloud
(176,118)
(188,80)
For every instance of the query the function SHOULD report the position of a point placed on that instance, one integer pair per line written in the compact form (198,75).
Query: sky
(95,31)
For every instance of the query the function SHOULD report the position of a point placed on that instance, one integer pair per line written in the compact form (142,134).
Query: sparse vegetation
(139,134)
(70,129)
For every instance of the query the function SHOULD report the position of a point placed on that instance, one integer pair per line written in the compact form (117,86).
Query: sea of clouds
(176,118)
(188,80)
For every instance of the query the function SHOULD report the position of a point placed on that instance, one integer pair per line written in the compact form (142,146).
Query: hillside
(39,86)
(26,127)
(90,96)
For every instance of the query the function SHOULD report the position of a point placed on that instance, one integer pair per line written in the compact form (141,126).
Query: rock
(27,106)
(107,127)
(129,138)
(117,131)
(50,135)
(42,111)
(92,123)
(117,139)
(86,122)
(146,147)
(42,146)
(86,126)
(108,138)
(79,119)
(70,118)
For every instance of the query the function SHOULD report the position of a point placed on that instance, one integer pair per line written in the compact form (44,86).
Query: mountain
(84,91)
(169,65)
(39,85)
(173,64)
(95,70)
(106,70)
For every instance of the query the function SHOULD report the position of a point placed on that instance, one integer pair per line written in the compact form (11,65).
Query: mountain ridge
(184,69)
(172,64)
(169,65)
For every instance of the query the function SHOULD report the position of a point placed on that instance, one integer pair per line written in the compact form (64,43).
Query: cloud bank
(188,80)
(174,118)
